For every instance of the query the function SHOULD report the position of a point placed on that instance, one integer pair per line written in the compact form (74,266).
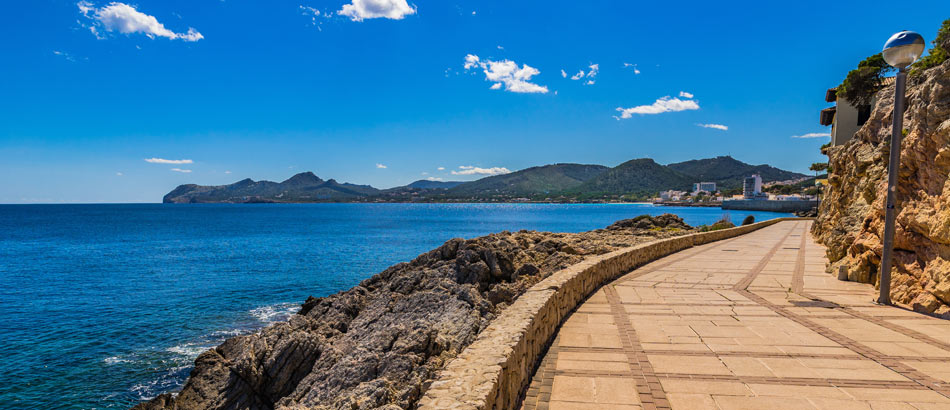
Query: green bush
(863,82)
(938,54)
(749,220)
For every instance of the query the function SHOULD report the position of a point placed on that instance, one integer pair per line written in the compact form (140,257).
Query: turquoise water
(107,305)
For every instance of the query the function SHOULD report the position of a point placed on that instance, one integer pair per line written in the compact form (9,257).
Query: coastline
(388,322)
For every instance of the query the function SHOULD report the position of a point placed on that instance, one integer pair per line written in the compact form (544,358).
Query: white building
(752,187)
(846,119)
(708,187)
(672,195)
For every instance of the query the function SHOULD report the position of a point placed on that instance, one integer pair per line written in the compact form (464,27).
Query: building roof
(831,95)
(828,115)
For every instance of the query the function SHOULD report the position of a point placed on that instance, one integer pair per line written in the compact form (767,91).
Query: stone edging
(492,372)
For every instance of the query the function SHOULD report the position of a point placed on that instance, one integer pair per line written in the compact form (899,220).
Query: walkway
(751,322)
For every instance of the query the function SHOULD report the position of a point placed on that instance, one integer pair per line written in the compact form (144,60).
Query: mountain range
(632,180)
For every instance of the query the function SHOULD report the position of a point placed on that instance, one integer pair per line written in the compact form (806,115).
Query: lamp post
(900,51)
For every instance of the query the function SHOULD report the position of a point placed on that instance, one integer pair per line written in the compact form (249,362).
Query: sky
(121,102)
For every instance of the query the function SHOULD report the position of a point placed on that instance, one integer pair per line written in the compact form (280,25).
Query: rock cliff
(379,344)
(851,216)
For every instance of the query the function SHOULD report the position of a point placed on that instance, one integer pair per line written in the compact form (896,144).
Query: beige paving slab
(713,328)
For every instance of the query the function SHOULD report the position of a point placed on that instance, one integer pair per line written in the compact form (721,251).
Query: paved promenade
(751,322)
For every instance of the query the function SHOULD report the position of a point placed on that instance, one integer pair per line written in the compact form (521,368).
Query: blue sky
(377,91)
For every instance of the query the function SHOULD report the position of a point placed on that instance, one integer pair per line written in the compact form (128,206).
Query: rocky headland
(851,216)
(379,344)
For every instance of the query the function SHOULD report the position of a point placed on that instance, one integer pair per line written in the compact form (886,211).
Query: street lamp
(900,51)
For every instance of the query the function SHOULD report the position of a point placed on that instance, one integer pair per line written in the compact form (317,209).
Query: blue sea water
(106,305)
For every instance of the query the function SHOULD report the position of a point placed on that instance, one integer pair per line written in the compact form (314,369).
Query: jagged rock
(851,217)
(379,345)
(665,221)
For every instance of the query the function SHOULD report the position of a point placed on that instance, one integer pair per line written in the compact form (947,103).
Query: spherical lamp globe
(902,49)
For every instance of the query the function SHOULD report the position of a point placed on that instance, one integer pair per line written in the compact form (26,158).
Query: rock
(665,221)
(851,216)
(379,344)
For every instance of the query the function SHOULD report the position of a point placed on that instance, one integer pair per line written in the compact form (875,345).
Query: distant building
(752,187)
(846,119)
(672,195)
(709,187)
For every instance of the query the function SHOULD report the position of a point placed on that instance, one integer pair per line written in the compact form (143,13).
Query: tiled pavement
(751,322)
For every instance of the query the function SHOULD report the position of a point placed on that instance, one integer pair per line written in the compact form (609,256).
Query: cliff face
(379,344)
(851,216)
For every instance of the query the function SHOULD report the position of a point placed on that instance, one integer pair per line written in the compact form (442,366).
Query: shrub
(863,82)
(938,54)
(749,220)
(723,223)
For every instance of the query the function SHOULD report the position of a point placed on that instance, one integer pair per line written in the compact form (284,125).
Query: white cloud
(359,10)
(664,104)
(119,174)
(501,48)
(65,55)
(312,13)
(434,179)
(563,73)
(184,171)
(813,135)
(227,172)
(441,168)
(507,73)
(578,76)
(425,173)
(126,19)
(470,170)
(380,166)
(594,69)
(589,82)
(685,94)
(169,161)
(635,69)
(714,126)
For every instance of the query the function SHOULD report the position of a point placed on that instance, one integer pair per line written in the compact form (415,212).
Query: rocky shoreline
(379,344)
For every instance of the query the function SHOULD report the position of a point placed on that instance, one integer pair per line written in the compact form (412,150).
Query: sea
(103,306)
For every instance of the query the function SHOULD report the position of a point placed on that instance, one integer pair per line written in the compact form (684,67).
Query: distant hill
(303,187)
(638,177)
(529,182)
(728,172)
(427,184)
(635,179)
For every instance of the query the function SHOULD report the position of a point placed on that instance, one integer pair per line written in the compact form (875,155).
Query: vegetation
(723,223)
(749,220)
(807,187)
(863,82)
(728,173)
(938,53)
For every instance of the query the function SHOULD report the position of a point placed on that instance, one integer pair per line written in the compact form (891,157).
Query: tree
(863,82)
(818,167)
(939,53)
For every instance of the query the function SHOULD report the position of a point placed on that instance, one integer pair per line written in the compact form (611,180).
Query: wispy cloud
(635,69)
(434,179)
(119,174)
(65,55)
(126,19)
(359,10)
(813,135)
(714,126)
(563,73)
(470,170)
(685,94)
(169,161)
(184,171)
(380,166)
(662,105)
(313,14)
(227,172)
(507,73)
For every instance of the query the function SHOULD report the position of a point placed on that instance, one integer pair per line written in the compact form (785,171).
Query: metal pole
(892,168)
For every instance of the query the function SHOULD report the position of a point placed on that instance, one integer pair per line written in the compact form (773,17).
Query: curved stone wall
(492,372)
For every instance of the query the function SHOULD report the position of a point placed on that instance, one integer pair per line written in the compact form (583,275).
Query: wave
(175,362)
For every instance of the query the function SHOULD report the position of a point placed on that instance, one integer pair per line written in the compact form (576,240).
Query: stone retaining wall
(492,372)
(768,205)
